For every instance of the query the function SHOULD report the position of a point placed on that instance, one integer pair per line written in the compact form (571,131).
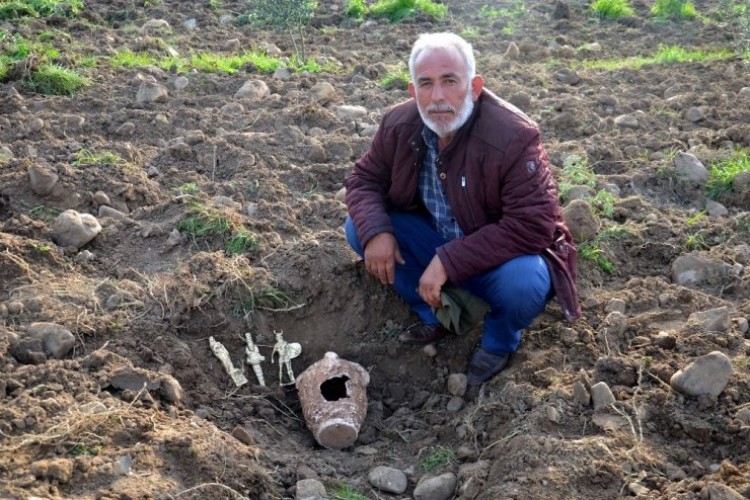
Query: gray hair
(428,42)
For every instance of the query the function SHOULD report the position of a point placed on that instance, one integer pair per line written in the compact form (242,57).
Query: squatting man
(456,191)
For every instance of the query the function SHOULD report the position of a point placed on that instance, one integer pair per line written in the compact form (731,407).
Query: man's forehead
(449,58)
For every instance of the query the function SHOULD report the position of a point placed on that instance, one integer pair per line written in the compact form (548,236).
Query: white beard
(445,129)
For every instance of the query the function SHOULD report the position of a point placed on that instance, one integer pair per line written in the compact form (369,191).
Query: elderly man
(456,190)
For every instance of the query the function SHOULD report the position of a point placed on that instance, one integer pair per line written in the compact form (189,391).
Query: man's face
(445,96)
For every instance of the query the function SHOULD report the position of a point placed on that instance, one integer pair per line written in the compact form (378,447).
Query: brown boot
(422,334)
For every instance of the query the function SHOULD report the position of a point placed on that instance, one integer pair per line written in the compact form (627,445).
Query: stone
(43,178)
(253,90)
(708,375)
(690,169)
(581,221)
(57,340)
(602,395)
(310,489)
(441,487)
(388,479)
(151,92)
(457,384)
(73,229)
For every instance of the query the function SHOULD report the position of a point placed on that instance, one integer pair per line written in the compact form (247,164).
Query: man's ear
(477,84)
(412,90)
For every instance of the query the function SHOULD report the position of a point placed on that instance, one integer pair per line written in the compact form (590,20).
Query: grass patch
(208,62)
(51,79)
(398,10)
(438,457)
(243,241)
(591,251)
(346,492)
(667,54)
(202,223)
(674,9)
(269,298)
(398,79)
(723,172)
(87,158)
(611,9)
(356,9)
(17,9)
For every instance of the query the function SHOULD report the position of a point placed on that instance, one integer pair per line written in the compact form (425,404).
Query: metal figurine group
(286,352)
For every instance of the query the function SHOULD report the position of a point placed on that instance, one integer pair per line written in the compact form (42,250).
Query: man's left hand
(432,281)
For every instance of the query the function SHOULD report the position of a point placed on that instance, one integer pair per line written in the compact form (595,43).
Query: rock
(615,305)
(282,74)
(5,154)
(347,112)
(310,489)
(457,384)
(171,389)
(107,211)
(744,416)
(57,340)
(690,169)
(694,114)
(253,90)
(716,209)
(243,436)
(43,178)
(154,25)
(707,375)
(512,53)
(56,469)
(151,92)
(127,128)
(388,479)
(323,93)
(340,195)
(553,415)
(72,229)
(602,395)
(581,221)
(440,487)
(714,320)
(626,121)
(719,491)
(180,83)
(695,269)
(454,405)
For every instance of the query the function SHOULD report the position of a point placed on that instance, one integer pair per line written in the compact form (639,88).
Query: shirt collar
(429,136)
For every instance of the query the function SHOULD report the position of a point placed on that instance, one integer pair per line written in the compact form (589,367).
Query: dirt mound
(213,211)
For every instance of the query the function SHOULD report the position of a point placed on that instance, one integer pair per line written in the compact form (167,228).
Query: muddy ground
(142,298)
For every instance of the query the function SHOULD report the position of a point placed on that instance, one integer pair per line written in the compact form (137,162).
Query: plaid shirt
(432,192)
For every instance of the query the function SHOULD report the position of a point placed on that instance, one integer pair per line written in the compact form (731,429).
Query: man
(456,190)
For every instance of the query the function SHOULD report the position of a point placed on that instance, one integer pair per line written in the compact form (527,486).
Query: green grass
(17,9)
(438,457)
(356,9)
(51,79)
(398,79)
(591,251)
(87,158)
(346,492)
(723,172)
(611,9)
(398,10)
(243,241)
(269,298)
(208,62)
(203,223)
(674,9)
(667,54)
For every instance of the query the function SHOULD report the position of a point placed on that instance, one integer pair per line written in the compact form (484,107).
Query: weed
(674,9)
(722,174)
(398,79)
(615,232)
(86,158)
(576,169)
(242,241)
(612,9)
(41,248)
(696,241)
(215,4)
(604,203)
(208,62)
(345,492)
(666,54)
(591,251)
(82,449)
(202,223)
(188,188)
(356,9)
(287,16)
(438,457)
(270,298)
(51,79)
(16,9)
(397,10)
(469,33)
(44,212)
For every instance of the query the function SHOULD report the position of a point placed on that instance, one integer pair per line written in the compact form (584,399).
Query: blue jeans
(517,290)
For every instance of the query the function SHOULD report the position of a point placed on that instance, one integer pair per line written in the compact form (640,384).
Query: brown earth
(145,306)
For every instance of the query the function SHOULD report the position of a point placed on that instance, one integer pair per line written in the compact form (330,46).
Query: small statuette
(254,358)
(221,352)
(286,352)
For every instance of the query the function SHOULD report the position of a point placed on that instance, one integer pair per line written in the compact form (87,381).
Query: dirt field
(219,215)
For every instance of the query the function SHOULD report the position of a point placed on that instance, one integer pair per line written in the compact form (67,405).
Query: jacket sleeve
(367,188)
(530,212)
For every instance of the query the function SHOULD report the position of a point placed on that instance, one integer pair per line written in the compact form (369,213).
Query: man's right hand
(381,254)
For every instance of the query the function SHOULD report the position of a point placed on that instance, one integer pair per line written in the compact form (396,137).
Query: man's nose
(437,93)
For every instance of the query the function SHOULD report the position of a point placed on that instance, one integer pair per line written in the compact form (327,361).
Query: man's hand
(432,281)
(381,253)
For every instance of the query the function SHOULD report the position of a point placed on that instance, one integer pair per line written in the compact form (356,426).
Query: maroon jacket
(497,178)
